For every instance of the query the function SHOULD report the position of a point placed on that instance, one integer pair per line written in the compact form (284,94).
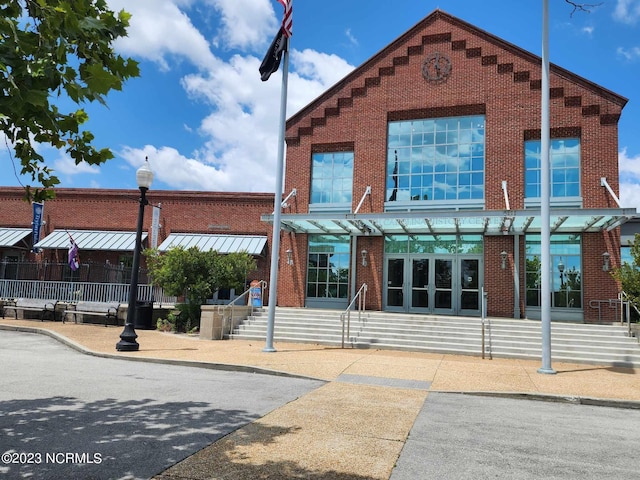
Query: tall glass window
(332,180)
(566,273)
(328,266)
(564,161)
(436,160)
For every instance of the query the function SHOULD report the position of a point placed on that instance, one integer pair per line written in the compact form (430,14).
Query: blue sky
(207,122)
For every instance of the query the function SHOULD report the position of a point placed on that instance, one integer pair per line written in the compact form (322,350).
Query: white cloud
(629,179)
(67,166)
(627,11)
(629,54)
(241,132)
(158,29)
(588,30)
(245,23)
(352,39)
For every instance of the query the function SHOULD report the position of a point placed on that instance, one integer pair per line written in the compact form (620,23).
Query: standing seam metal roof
(252,244)
(91,240)
(9,237)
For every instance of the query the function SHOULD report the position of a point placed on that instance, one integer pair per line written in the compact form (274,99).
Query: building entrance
(443,284)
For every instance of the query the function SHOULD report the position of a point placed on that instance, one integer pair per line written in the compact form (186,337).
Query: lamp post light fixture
(606,257)
(364,257)
(127,343)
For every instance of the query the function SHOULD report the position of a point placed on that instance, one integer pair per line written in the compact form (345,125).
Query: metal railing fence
(54,271)
(81,291)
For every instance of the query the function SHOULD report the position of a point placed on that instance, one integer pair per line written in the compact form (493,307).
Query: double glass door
(434,284)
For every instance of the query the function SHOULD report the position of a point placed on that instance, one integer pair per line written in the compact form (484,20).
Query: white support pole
(545,199)
(277,207)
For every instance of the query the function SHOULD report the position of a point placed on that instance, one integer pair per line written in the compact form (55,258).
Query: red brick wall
(488,74)
(499,283)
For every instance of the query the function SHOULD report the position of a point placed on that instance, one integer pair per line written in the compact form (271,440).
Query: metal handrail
(361,297)
(626,303)
(485,323)
(228,307)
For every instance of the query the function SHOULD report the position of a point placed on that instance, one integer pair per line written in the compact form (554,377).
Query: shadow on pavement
(63,437)
(229,458)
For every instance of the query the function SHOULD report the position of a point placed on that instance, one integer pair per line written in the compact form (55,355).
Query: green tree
(54,52)
(196,275)
(629,274)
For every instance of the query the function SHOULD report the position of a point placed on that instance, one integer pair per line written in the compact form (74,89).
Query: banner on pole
(155,225)
(36,224)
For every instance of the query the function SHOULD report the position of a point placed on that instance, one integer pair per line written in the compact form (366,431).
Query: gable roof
(455,45)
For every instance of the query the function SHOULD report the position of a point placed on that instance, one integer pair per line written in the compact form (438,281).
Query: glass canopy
(487,222)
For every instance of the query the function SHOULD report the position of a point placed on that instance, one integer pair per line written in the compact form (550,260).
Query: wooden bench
(45,308)
(107,309)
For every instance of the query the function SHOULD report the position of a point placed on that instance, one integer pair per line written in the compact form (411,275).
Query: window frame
(437,162)
(555,158)
(332,180)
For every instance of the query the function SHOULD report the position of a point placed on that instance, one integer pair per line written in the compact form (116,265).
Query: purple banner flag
(74,255)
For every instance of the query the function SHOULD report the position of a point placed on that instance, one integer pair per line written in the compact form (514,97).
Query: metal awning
(10,237)
(251,244)
(91,240)
(486,222)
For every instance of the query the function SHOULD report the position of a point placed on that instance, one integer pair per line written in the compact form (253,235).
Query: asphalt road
(461,437)
(66,415)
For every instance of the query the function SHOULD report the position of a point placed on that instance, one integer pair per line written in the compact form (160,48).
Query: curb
(567,399)
(542,397)
(183,363)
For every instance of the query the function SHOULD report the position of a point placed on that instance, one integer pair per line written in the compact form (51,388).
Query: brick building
(419,175)
(103,224)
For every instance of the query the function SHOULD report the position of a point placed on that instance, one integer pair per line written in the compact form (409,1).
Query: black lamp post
(127,343)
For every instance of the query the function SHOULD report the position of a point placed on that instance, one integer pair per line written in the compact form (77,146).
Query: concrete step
(508,338)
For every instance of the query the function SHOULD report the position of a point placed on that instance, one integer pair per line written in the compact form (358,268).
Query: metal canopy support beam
(603,183)
(615,223)
(377,226)
(366,192)
(527,223)
(506,194)
(558,223)
(595,219)
(342,226)
(292,227)
(403,227)
(321,227)
(429,226)
(293,193)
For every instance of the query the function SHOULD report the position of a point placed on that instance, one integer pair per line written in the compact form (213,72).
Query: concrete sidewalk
(355,426)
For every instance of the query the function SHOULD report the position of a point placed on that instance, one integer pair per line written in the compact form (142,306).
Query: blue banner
(36,225)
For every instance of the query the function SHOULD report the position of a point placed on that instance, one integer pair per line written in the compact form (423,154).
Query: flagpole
(545,180)
(277,205)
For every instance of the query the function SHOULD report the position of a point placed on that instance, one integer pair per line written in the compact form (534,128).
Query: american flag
(287,18)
